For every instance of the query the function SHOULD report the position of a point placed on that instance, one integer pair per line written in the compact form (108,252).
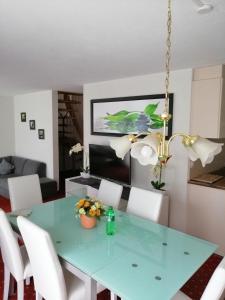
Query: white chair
(110,193)
(15,258)
(50,281)
(24,191)
(215,287)
(48,275)
(145,204)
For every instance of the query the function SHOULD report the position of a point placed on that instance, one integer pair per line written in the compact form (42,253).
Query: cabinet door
(206,108)
(205,214)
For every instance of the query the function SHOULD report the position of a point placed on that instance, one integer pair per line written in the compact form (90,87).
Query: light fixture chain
(168,56)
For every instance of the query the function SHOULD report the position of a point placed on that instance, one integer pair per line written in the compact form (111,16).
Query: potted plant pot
(87,222)
(84,174)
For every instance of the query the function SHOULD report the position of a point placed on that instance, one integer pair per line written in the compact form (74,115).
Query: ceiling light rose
(153,149)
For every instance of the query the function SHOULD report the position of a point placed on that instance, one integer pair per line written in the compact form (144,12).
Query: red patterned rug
(193,288)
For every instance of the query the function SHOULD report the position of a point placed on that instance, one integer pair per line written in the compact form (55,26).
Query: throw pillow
(5,167)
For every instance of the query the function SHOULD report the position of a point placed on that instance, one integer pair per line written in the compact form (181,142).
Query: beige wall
(177,170)
(7,136)
(41,107)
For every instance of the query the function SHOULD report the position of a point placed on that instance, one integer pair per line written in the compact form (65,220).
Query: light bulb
(146,151)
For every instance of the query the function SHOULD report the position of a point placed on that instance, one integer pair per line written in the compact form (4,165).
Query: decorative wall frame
(127,115)
(32,124)
(23,117)
(41,134)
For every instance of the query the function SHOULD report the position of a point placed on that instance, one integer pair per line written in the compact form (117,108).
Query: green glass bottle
(110,221)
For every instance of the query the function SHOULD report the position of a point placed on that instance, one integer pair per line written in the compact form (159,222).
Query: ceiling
(61,45)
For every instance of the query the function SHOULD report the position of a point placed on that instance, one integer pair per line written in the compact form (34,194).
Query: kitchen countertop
(220,184)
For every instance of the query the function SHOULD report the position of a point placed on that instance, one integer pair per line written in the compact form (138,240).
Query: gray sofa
(23,166)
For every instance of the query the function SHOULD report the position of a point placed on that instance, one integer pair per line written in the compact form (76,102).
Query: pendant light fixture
(154,149)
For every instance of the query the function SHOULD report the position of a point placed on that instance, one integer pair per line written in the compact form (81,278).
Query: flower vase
(87,222)
(84,175)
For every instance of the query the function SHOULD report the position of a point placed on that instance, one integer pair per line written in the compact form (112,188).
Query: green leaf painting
(150,109)
(134,121)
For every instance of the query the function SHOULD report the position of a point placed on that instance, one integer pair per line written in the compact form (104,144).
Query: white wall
(6,126)
(177,169)
(41,107)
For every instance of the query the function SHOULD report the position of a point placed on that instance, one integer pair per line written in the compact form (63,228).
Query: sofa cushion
(18,163)
(7,158)
(32,167)
(5,167)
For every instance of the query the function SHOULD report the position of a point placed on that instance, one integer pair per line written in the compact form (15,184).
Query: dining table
(142,260)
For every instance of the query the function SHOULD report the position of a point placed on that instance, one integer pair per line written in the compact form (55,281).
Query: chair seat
(26,262)
(181,296)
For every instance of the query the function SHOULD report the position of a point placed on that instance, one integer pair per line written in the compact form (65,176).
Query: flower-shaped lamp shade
(203,149)
(146,150)
(121,145)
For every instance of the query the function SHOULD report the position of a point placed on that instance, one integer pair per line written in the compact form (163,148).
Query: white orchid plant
(76,149)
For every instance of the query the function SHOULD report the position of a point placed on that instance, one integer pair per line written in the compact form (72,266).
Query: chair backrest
(24,191)
(110,193)
(48,276)
(216,285)
(145,204)
(11,254)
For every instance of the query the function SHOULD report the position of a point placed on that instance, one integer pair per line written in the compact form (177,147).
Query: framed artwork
(32,124)
(41,134)
(129,115)
(23,117)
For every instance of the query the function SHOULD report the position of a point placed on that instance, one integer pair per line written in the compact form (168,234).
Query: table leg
(91,289)
(90,283)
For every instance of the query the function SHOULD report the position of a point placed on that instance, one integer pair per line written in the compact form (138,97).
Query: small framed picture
(32,124)
(23,117)
(41,134)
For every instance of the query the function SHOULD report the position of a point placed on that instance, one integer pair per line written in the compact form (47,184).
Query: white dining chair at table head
(110,193)
(215,287)
(145,204)
(14,257)
(24,191)
(50,281)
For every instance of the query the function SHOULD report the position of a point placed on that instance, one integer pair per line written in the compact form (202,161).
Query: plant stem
(160,174)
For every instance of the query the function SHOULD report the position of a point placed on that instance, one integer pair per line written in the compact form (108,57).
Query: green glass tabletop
(143,260)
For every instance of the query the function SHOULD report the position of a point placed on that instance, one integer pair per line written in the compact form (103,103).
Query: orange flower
(98,212)
(80,203)
(92,212)
(86,204)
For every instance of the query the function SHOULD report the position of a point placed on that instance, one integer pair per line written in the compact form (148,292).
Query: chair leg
(27,280)
(12,286)
(6,283)
(38,296)
(20,290)
(113,296)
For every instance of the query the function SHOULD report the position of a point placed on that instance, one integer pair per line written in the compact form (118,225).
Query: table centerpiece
(89,209)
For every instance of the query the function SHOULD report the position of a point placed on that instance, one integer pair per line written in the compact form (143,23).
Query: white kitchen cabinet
(208,102)
(206,214)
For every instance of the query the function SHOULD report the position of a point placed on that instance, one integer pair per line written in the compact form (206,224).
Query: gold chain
(168,47)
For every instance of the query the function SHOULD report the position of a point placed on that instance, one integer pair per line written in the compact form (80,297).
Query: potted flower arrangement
(76,149)
(89,209)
